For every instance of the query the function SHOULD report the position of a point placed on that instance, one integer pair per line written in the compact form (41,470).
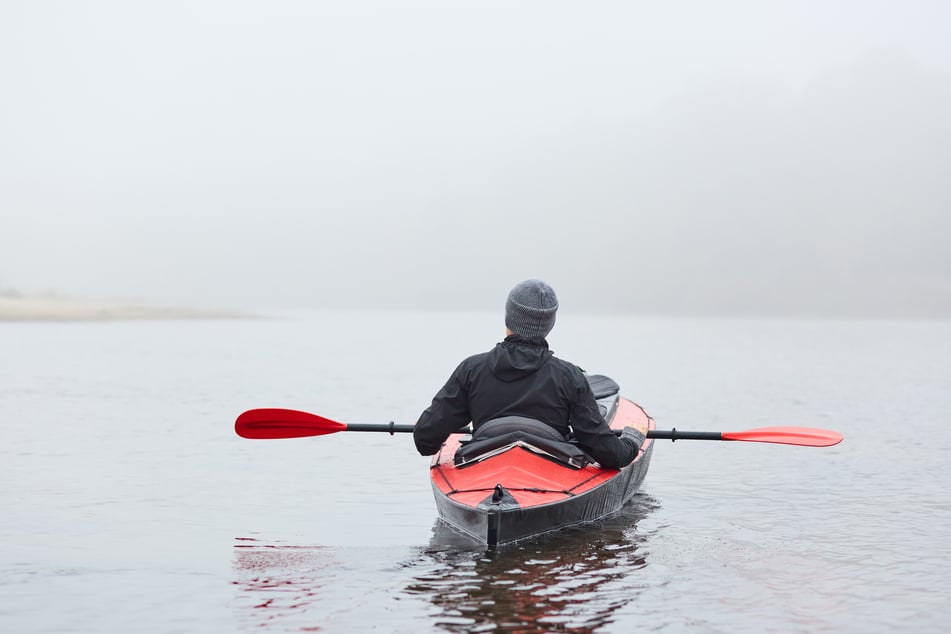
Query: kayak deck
(519,493)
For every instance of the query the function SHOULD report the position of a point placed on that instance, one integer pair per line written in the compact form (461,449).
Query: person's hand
(635,435)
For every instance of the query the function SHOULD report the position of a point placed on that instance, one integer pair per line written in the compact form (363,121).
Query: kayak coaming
(519,494)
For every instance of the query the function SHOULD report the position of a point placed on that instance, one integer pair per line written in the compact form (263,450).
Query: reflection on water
(573,580)
(570,581)
(276,584)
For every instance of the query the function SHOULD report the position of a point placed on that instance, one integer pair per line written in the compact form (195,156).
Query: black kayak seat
(602,386)
(502,434)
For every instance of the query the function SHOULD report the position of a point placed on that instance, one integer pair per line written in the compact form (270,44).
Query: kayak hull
(519,494)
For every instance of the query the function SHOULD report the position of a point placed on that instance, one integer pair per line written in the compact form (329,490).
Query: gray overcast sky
(729,157)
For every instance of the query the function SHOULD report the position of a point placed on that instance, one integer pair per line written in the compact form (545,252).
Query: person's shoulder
(569,368)
(476,359)
(473,361)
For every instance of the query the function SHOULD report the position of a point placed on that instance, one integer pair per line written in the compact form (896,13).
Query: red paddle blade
(275,422)
(805,436)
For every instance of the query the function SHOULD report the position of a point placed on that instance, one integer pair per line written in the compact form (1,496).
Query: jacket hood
(517,357)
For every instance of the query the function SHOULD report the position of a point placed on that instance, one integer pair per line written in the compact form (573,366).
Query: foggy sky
(690,157)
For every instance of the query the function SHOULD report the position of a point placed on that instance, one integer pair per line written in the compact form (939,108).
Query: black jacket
(522,377)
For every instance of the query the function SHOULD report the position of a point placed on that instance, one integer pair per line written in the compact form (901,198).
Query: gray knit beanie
(530,309)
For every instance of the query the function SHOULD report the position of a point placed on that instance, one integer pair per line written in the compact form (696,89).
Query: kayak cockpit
(503,434)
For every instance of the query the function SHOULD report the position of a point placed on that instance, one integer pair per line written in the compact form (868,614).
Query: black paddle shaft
(391,427)
(658,434)
(673,434)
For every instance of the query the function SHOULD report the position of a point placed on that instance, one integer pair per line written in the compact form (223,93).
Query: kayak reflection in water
(277,584)
(574,580)
(521,377)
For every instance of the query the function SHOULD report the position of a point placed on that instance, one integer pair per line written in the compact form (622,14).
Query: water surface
(128,504)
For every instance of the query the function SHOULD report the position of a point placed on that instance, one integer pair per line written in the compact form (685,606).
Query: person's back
(522,377)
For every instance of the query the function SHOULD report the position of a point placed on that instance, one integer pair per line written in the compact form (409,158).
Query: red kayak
(523,480)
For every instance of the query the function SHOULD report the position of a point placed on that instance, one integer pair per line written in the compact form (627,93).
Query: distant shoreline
(15,307)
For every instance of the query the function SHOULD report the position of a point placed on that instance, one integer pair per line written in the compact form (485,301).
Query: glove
(635,435)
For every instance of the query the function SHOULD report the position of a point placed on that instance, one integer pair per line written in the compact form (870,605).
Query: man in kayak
(522,377)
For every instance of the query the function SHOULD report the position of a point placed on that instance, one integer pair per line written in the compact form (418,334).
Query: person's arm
(448,412)
(594,434)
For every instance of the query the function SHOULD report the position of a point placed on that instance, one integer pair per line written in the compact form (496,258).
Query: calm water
(128,504)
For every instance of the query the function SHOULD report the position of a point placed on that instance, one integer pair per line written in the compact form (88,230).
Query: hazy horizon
(737,158)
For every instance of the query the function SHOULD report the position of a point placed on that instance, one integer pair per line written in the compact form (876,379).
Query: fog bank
(740,158)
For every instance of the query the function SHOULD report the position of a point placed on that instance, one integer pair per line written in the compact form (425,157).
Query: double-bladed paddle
(273,422)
